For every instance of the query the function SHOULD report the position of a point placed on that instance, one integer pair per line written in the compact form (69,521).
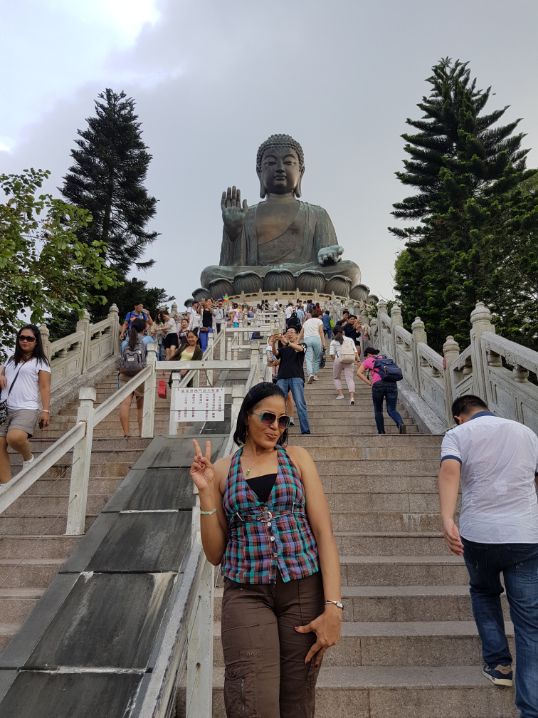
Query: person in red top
(380,390)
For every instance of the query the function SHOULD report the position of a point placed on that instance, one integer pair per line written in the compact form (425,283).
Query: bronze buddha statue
(281,243)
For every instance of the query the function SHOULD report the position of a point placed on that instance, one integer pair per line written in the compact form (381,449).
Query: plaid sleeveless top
(267,538)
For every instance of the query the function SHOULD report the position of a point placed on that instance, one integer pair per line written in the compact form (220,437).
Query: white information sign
(201,404)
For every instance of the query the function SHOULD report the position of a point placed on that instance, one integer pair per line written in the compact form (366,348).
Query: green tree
(135,290)
(467,210)
(44,268)
(107,177)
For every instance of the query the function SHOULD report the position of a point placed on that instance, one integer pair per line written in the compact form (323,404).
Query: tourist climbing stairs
(409,645)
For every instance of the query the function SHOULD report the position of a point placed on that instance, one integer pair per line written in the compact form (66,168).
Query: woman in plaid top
(265,518)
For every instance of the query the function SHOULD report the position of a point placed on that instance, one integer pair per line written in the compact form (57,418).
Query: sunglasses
(26,338)
(268,418)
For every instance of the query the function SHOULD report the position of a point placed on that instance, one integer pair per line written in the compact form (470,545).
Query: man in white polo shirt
(497,462)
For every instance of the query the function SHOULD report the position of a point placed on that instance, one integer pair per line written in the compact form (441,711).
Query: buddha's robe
(295,249)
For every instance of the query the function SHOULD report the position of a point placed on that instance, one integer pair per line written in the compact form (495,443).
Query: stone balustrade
(491,367)
(86,351)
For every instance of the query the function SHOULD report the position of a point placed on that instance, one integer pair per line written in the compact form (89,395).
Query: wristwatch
(338,604)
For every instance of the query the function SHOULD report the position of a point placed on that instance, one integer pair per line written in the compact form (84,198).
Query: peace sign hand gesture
(202,471)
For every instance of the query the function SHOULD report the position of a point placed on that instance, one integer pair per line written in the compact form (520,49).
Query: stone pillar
(480,323)
(113,315)
(419,337)
(44,331)
(80,467)
(150,386)
(395,321)
(83,325)
(451,351)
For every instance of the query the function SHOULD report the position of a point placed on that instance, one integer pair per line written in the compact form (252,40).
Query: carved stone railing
(87,348)
(491,367)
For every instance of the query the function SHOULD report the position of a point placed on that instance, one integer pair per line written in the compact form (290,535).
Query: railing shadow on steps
(186,642)
(492,367)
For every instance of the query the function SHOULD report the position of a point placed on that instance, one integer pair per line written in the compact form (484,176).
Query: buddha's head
(280,166)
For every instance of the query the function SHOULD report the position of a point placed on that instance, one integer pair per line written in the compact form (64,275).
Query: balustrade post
(80,467)
(211,355)
(395,321)
(451,351)
(44,331)
(480,323)
(419,337)
(113,316)
(83,326)
(172,423)
(150,386)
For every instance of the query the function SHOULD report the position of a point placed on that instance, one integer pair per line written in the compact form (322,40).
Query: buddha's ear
(298,188)
(263,191)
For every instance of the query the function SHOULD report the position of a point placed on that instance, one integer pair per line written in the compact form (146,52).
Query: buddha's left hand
(330,255)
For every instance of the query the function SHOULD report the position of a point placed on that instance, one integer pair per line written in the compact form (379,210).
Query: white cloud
(125,17)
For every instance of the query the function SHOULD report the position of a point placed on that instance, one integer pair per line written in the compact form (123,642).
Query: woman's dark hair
(37,351)
(257,393)
(315,312)
(370,350)
(137,327)
(339,330)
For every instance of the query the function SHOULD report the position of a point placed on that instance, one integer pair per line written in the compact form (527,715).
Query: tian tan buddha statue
(281,243)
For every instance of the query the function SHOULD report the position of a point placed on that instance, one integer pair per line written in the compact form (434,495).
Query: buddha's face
(280,170)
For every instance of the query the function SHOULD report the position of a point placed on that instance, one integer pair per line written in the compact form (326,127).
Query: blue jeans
(519,566)
(312,355)
(203,337)
(296,386)
(389,391)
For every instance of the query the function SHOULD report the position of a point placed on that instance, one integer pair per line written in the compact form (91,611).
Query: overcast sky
(213,79)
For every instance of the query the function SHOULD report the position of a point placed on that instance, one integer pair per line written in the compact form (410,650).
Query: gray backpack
(133,360)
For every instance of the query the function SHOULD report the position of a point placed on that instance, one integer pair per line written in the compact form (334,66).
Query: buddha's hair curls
(279,141)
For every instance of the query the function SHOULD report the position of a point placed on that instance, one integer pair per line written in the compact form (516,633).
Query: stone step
(28,573)
(37,525)
(426,570)
(43,506)
(368,441)
(391,484)
(387,453)
(399,692)
(410,503)
(390,521)
(324,411)
(99,457)
(390,643)
(31,547)
(378,467)
(17,603)
(385,544)
(362,429)
(400,603)
(7,631)
(54,486)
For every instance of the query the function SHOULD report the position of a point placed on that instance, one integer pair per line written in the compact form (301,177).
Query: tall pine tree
(107,178)
(466,209)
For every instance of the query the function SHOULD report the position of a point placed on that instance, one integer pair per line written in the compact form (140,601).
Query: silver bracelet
(338,604)
(208,513)
(46,411)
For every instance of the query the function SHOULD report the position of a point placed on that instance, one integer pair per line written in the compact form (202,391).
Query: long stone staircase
(33,545)
(409,647)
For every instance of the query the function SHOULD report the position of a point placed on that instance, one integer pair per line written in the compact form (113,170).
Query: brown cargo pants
(265,675)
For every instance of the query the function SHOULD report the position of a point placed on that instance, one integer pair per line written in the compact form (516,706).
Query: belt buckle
(265,515)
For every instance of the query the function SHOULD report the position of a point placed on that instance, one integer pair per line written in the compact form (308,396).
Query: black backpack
(387,369)
(133,360)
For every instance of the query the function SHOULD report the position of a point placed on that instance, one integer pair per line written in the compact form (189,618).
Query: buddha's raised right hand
(233,212)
